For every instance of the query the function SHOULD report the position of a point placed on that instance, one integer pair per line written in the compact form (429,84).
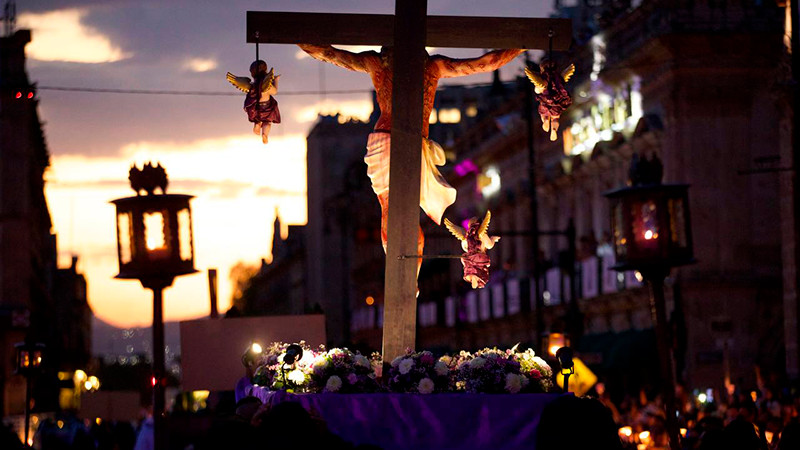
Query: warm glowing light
(98,421)
(489,181)
(644,437)
(62,35)
(34,420)
(154,230)
(683,432)
(200,64)
(30,441)
(702,398)
(626,432)
(256,348)
(60,424)
(450,115)
(638,275)
(79,376)
(19,95)
(370,300)
(754,395)
(87,385)
(185,233)
(94,382)
(553,349)
(30,95)
(648,234)
(124,227)
(769,435)
(471,111)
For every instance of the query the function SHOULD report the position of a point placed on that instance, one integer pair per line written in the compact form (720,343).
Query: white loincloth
(435,195)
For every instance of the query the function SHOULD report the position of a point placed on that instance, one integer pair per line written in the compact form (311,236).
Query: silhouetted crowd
(760,419)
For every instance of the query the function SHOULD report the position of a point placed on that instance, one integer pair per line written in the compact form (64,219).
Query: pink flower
(535,374)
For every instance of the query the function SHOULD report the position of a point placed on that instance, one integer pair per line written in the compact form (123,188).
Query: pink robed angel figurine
(551,93)
(259,103)
(475,241)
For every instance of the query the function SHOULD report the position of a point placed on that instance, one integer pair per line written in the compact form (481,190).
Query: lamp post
(29,364)
(154,245)
(652,233)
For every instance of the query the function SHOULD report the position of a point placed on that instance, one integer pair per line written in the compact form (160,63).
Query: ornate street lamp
(154,245)
(652,233)
(29,364)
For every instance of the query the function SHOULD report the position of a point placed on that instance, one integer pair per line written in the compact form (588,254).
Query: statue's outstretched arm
(342,58)
(452,67)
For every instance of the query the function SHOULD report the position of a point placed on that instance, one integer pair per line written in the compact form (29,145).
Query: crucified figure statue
(435,194)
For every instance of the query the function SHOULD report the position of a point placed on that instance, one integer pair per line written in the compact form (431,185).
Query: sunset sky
(204,142)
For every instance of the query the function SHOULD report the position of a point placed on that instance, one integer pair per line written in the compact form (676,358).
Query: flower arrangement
(490,371)
(536,369)
(418,373)
(340,370)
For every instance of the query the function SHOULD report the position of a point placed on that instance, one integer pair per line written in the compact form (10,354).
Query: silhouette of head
(257,68)
(598,429)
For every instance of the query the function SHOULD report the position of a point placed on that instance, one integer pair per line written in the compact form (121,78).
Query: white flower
(352,378)
(396,361)
(542,363)
(333,384)
(513,383)
(361,360)
(406,365)
(441,368)
(477,363)
(425,386)
(296,376)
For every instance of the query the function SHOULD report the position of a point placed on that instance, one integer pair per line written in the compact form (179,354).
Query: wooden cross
(409,31)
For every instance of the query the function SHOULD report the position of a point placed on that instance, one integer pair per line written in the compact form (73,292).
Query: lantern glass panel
(645,222)
(24,359)
(620,241)
(124,238)
(677,222)
(185,234)
(156,234)
(36,361)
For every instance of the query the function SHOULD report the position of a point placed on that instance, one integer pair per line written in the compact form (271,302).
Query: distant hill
(120,344)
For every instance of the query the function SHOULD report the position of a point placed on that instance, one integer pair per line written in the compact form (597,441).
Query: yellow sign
(579,382)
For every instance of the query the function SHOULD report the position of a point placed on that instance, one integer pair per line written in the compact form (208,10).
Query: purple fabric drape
(440,421)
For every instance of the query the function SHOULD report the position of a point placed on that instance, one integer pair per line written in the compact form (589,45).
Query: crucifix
(408,32)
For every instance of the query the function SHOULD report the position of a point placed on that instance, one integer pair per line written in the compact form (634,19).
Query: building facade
(38,301)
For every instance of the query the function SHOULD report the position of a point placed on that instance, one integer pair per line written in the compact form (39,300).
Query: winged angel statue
(475,240)
(551,93)
(259,104)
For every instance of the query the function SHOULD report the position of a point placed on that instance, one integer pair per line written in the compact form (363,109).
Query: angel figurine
(475,241)
(259,104)
(551,93)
